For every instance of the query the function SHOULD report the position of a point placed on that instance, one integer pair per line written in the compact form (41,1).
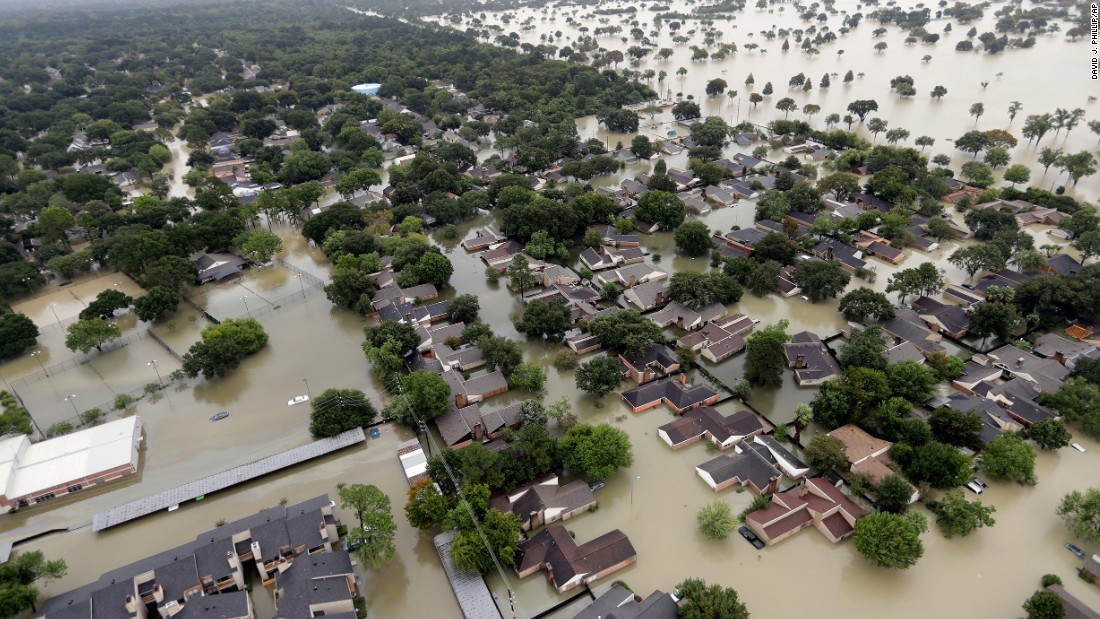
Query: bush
(123,401)
(60,428)
(716,519)
(91,416)
(566,360)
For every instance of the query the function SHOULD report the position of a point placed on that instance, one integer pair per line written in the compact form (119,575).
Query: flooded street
(314,346)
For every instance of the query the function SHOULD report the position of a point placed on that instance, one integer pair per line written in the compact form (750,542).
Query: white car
(1078,447)
(974,487)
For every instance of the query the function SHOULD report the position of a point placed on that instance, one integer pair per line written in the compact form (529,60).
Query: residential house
(557,275)
(978,376)
(1062,264)
(849,258)
(696,204)
(461,426)
(1062,350)
(1073,607)
(810,359)
(869,202)
(875,245)
(648,296)
(706,422)
(683,317)
(815,503)
(964,296)
(476,389)
(904,351)
(752,467)
(946,319)
(413,460)
(621,603)
(656,361)
(787,286)
(582,343)
(214,267)
(995,420)
(632,189)
(750,163)
(395,295)
(612,238)
(483,239)
(501,256)
(673,392)
(546,501)
(569,565)
(719,339)
(718,196)
(1091,570)
(1017,398)
(906,326)
(413,314)
(630,276)
(1045,375)
(203,578)
(740,240)
(607,257)
(321,585)
(867,455)
(684,179)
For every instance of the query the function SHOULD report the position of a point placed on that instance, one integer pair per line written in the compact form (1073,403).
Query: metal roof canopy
(225,479)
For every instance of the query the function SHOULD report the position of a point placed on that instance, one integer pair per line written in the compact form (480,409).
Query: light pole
(246,310)
(72,400)
(39,360)
(632,488)
(53,308)
(154,364)
(302,284)
(308,392)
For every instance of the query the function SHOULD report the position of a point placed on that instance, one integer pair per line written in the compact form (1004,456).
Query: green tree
(549,319)
(716,519)
(702,289)
(661,208)
(959,428)
(701,601)
(172,272)
(865,348)
(464,308)
(1009,458)
(911,380)
(428,394)
(827,454)
(626,332)
(528,377)
(786,105)
(863,303)
(156,304)
(519,274)
(17,333)
(957,516)
(890,540)
(55,221)
(426,507)
(1044,604)
(375,533)
(85,335)
(939,464)
(500,354)
(595,451)
(997,319)
(599,376)
(765,358)
(840,184)
(105,304)
(502,531)
(821,279)
(338,410)
(1081,513)
(1017,173)
(259,245)
(18,576)
(923,280)
(223,346)
(693,238)
(1049,433)
(893,493)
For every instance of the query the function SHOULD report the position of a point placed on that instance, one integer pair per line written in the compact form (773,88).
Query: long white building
(32,473)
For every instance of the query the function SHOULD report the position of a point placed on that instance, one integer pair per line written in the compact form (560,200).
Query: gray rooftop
(469,587)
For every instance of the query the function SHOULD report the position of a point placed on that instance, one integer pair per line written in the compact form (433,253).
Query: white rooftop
(27,468)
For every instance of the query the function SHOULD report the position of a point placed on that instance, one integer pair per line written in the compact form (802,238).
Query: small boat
(221,415)
(297,400)
(1078,447)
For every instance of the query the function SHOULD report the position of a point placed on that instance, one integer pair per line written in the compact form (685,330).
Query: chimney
(683,379)
(1020,362)
(256,554)
(829,253)
(1060,358)
(479,431)
(660,298)
(800,361)
(323,531)
(158,593)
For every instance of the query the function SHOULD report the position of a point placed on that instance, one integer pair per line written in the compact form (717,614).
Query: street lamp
(154,364)
(72,400)
(632,488)
(308,392)
(39,360)
(53,308)
(301,283)
(246,310)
